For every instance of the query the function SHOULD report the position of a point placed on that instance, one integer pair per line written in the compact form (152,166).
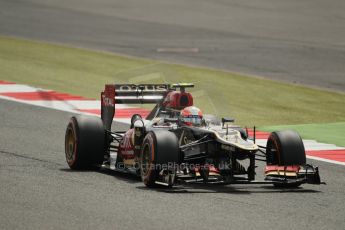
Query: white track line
(74,104)
(14,88)
(309,145)
(325,160)
(46,105)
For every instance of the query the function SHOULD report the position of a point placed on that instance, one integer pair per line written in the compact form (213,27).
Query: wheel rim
(70,146)
(145,160)
(274,150)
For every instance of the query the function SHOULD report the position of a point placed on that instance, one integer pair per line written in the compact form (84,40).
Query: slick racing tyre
(159,149)
(84,142)
(285,148)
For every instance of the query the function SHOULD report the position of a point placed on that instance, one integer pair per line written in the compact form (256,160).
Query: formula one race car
(177,143)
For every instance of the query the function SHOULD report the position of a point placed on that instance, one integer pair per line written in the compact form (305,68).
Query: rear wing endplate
(130,94)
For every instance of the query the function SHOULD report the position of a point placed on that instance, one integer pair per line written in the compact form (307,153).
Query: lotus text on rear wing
(144,87)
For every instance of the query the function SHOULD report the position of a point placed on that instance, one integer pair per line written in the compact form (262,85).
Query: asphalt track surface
(294,41)
(39,191)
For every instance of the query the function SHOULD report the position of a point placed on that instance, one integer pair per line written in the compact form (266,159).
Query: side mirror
(227,120)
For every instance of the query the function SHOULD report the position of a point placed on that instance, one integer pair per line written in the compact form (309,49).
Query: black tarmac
(39,191)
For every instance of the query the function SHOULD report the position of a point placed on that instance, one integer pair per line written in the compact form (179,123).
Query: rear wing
(140,94)
(130,94)
(135,94)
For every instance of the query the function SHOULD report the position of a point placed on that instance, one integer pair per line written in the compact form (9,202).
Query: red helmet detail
(191,116)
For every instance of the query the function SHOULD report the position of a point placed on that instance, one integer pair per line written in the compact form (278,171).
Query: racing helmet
(191,116)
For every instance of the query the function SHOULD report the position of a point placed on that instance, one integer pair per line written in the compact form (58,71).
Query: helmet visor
(193,119)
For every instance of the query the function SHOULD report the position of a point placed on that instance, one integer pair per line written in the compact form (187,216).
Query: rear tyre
(84,142)
(160,149)
(285,148)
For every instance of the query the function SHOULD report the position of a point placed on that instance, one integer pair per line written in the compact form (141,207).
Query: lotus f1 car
(176,143)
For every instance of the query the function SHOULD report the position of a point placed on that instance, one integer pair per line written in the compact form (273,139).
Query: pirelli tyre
(285,148)
(159,149)
(84,142)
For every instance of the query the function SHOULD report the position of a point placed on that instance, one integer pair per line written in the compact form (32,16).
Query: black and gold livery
(162,150)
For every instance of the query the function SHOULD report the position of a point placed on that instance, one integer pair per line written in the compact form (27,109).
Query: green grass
(333,133)
(251,101)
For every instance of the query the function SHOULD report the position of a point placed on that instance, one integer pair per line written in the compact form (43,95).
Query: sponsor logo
(126,146)
(108,101)
(155,87)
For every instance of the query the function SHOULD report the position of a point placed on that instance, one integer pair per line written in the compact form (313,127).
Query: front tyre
(84,142)
(159,151)
(285,148)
